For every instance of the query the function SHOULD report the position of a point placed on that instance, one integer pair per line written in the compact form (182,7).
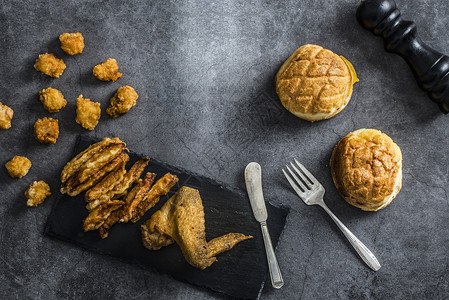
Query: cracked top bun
(314,83)
(366,167)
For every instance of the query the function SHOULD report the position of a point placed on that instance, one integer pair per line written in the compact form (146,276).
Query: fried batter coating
(160,188)
(37,192)
(106,227)
(18,166)
(122,101)
(72,166)
(95,163)
(106,184)
(107,70)
(181,219)
(6,114)
(46,130)
(121,188)
(137,194)
(97,217)
(52,99)
(87,113)
(83,181)
(72,43)
(50,65)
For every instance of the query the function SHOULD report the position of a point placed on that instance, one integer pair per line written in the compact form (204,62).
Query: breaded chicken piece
(18,166)
(50,65)
(52,99)
(107,70)
(181,220)
(46,130)
(72,43)
(6,114)
(87,113)
(122,101)
(37,192)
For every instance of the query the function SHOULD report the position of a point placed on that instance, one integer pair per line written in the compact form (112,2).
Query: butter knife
(253,181)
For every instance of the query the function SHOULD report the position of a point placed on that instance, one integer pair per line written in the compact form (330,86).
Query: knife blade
(253,181)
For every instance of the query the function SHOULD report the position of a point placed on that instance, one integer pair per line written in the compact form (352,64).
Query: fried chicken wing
(181,219)
(160,188)
(18,166)
(97,217)
(50,65)
(72,43)
(6,114)
(122,101)
(72,166)
(87,113)
(37,192)
(122,187)
(52,99)
(107,70)
(46,130)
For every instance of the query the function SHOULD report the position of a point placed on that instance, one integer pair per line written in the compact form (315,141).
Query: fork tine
(293,184)
(304,179)
(298,181)
(312,178)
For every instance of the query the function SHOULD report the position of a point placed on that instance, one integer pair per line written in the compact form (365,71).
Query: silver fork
(311,192)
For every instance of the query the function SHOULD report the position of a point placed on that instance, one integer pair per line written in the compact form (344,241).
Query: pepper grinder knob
(430,68)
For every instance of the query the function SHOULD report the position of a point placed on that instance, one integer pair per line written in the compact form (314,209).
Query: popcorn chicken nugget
(6,114)
(122,101)
(50,65)
(52,99)
(37,192)
(46,130)
(18,166)
(87,113)
(107,70)
(72,43)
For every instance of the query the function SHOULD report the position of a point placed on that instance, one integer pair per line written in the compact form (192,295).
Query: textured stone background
(204,71)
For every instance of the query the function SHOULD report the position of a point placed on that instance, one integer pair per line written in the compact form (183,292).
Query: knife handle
(430,68)
(275,272)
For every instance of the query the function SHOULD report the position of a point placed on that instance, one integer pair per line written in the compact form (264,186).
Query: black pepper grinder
(431,68)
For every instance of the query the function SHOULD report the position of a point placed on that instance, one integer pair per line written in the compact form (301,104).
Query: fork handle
(367,256)
(275,272)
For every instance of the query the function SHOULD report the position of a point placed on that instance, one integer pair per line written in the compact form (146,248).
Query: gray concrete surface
(204,71)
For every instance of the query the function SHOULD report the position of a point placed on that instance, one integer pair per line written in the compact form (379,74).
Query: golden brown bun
(314,83)
(366,167)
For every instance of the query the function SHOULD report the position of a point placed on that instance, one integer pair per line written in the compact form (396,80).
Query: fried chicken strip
(182,219)
(98,176)
(72,166)
(122,187)
(134,199)
(97,217)
(160,188)
(94,164)
(106,184)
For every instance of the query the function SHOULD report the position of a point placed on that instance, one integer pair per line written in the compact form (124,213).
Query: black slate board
(240,272)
